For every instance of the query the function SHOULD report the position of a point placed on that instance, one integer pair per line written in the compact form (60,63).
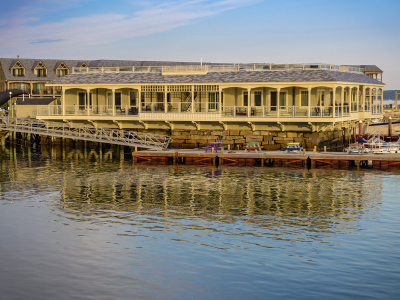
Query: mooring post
(304,151)
(390,128)
(315,150)
(360,128)
(324,148)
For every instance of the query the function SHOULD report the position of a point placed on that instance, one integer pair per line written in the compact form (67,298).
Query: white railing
(183,111)
(219,68)
(82,110)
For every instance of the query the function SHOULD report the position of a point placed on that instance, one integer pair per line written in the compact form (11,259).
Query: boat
(355,148)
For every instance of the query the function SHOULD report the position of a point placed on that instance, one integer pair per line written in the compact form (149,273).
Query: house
(184,95)
(276,97)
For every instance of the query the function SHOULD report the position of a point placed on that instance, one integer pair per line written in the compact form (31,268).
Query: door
(117,99)
(273,101)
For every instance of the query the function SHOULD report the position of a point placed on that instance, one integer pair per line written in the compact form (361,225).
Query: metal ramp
(86,133)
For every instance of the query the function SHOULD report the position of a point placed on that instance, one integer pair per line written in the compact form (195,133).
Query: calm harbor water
(76,228)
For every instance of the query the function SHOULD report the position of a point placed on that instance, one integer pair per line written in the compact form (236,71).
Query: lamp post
(8,108)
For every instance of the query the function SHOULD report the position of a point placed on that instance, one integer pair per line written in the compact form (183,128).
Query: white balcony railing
(205,68)
(183,111)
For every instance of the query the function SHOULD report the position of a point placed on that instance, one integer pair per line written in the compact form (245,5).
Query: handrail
(79,132)
(195,69)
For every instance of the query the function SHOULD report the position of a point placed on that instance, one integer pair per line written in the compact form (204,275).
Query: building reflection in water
(110,188)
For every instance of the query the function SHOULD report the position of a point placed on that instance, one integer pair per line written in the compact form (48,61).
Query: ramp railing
(86,133)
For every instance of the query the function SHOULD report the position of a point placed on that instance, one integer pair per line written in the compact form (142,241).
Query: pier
(307,159)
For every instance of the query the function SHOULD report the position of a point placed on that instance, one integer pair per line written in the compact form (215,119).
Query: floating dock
(308,159)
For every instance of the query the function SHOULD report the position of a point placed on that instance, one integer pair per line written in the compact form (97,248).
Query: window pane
(257,99)
(133,98)
(304,98)
(245,99)
(282,99)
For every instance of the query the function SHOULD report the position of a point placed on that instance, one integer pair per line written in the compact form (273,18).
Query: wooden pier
(308,159)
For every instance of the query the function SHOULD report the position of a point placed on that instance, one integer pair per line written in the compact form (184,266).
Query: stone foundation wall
(271,140)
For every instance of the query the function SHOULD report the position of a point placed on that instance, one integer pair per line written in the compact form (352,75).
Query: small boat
(293,147)
(355,148)
(386,147)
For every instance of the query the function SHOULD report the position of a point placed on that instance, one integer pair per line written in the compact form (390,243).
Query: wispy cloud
(101,28)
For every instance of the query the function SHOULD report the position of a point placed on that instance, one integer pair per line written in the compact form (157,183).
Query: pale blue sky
(241,31)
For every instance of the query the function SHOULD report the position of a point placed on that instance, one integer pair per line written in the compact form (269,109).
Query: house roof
(259,76)
(30,64)
(34,101)
(216,77)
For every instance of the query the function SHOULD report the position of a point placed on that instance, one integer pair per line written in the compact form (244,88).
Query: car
(293,147)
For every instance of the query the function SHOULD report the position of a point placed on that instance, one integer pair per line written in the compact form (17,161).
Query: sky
(222,31)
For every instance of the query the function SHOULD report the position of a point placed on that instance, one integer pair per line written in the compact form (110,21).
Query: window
(83,100)
(38,88)
(257,98)
(245,99)
(39,73)
(109,100)
(17,72)
(304,98)
(321,98)
(212,101)
(133,98)
(282,99)
(61,72)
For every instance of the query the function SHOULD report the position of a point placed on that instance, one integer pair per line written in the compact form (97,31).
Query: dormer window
(84,65)
(40,70)
(18,70)
(62,70)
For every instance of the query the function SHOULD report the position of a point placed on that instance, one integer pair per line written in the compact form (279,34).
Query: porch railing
(181,109)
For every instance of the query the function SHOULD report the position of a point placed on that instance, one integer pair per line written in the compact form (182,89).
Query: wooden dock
(338,160)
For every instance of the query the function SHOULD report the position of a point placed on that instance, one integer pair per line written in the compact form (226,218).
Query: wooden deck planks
(269,158)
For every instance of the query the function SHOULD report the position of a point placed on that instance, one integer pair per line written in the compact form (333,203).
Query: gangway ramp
(85,133)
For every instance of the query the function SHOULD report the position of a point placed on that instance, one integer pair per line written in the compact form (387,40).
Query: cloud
(97,29)
(45,41)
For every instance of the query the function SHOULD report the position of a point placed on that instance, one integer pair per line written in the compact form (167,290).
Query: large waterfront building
(194,96)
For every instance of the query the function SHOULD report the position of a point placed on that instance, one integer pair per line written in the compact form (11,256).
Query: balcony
(204,69)
(182,112)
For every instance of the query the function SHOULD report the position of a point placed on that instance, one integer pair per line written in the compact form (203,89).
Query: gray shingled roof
(52,65)
(368,68)
(30,64)
(34,101)
(216,77)
(278,76)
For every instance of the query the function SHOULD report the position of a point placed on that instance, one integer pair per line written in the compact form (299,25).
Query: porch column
(192,99)
(341,101)
(308,102)
(358,98)
(220,99)
(87,106)
(113,104)
(248,102)
(165,100)
(334,101)
(140,99)
(278,93)
(63,101)
(363,98)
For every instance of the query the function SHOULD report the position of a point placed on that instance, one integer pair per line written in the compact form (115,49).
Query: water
(72,228)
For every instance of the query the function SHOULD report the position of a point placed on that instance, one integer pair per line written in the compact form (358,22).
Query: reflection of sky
(111,231)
